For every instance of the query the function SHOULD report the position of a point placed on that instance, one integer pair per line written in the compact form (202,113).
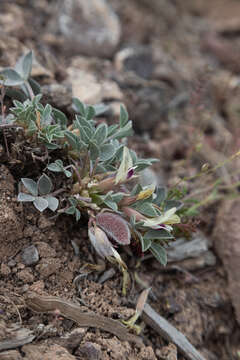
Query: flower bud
(132,212)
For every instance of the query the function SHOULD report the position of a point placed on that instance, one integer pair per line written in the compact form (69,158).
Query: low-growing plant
(98,166)
(39,193)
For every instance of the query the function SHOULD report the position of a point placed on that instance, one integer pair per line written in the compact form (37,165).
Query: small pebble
(30,255)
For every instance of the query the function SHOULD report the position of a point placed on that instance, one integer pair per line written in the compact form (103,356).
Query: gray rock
(183,249)
(149,105)
(30,255)
(87,88)
(137,59)
(59,95)
(91,350)
(89,27)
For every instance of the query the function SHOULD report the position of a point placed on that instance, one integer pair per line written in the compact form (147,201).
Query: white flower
(166,219)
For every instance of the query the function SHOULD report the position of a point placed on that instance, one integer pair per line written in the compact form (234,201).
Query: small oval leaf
(11,77)
(30,185)
(106,152)
(25,197)
(52,202)
(159,252)
(40,203)
(44,185)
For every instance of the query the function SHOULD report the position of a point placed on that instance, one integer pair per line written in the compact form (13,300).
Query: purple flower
(130,173)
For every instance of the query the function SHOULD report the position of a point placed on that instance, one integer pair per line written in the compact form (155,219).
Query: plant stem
(77,173)
(31,93)
(94,168)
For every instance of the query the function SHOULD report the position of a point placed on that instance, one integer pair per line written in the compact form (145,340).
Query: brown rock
(72,340)
(227,246)
(48,267)
(5,270)
(26,276)
(96,25)
(37,286)
(90,351)
(44,250)
(45,352)
(10,355)
(147,353)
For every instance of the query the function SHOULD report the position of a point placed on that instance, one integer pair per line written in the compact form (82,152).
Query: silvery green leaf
(161,194)
(85,133)
(137,189)
(111,204)
(146,243)
(54,167)
(90,112)
(24,65)
(46,115)
(36,99)
(123,116)
(134,156)
(94,151)
(60,118)
(18,104)
(14,93)
(112,129)
(153,160)
(72,139)
(36,88)
(25,197)
(73,201)
(159,252)
(142,164)
(67,173)
(40,203)
(30,185)
(79,107)
(124,132)
(59,163)
(119,153)
(77,215)
(52,202)
(100,133)
(107,151)
(52,146)
(117,197)
(71,210)
(82,121)
(173,203)
(100,109)
(147,209)
(160,234)
(44,185)
(11,77)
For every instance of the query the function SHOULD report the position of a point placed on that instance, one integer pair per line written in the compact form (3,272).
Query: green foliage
(95,165)
(39,193)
